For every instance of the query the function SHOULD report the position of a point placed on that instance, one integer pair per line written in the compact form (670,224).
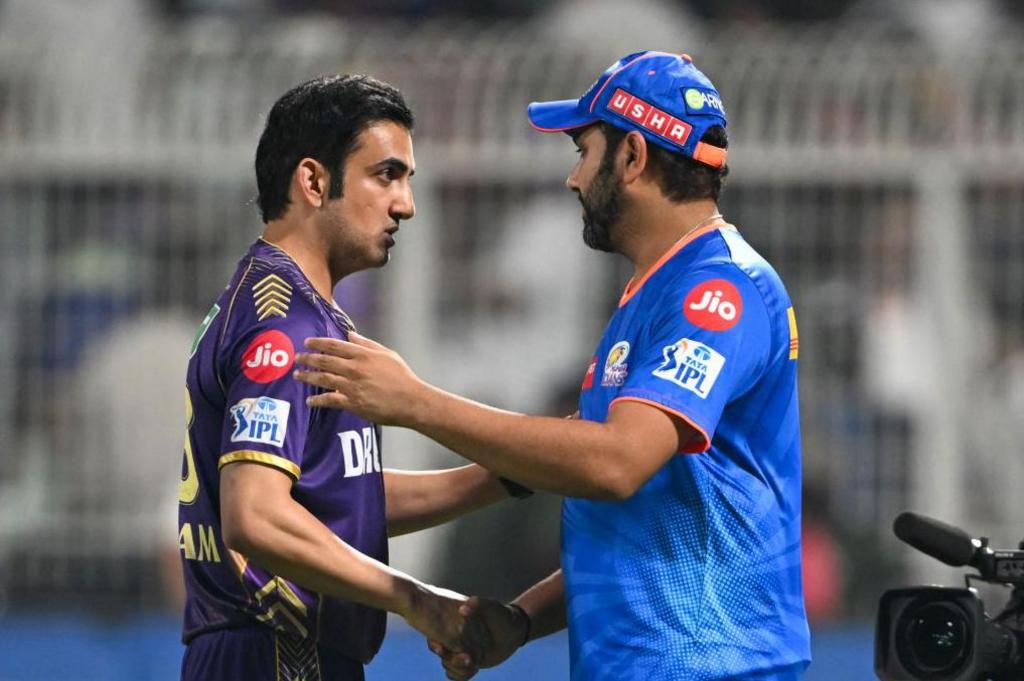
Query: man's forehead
(589,134)
(385,139)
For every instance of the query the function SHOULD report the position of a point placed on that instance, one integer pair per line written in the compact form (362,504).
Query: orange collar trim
(633,286)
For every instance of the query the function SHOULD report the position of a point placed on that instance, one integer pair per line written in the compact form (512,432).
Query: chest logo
(260,419)
(588,378)
(615,367)
(268,357)
(713,305)
(691,365)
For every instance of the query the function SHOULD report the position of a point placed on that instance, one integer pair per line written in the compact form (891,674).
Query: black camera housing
(936,633)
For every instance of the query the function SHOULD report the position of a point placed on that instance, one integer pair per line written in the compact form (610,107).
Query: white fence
(884,180)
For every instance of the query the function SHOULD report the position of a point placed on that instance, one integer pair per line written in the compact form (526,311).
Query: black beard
(602,207)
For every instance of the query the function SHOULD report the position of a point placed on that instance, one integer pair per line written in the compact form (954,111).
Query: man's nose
(405,207)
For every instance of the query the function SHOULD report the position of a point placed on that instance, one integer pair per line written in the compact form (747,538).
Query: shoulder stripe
(253,456)
(794,336)
(272,296)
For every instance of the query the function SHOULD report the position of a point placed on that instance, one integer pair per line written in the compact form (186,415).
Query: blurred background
(877,156)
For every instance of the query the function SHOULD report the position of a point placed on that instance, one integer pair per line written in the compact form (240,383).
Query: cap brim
(557,116)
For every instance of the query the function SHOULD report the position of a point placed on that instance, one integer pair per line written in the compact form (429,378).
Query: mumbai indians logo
(698,99)
(691,365)
(615,367)
(260,419)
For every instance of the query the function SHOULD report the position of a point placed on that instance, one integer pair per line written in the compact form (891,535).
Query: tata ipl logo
(691,365)
(260,419)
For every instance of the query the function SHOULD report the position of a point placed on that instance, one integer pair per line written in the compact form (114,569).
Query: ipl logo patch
(691,365)
(260,419)
(615,367)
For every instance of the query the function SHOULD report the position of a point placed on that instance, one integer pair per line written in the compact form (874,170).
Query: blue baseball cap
(663,96)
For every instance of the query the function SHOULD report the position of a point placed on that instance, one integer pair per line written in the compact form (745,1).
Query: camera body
(935,633)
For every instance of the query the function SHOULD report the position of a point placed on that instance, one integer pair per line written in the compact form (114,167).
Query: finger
(336,365)
(321,379)
(330,401)
(438,649)
(365,342)
(459,673)
(470,606)
(334,346)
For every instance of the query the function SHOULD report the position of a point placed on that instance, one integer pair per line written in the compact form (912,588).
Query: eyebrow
(395,164)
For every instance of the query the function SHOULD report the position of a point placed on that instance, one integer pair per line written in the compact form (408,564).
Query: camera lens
(933,640)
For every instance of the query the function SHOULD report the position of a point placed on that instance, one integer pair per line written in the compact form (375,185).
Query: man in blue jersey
(681,526)
(284,508)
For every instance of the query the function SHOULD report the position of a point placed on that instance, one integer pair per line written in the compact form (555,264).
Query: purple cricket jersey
(244,406)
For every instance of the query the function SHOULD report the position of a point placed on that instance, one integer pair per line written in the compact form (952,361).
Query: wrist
(524,621)
(422,405)
(407,598)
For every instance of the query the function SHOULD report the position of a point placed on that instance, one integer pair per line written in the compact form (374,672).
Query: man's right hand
(440,615)
(506,630)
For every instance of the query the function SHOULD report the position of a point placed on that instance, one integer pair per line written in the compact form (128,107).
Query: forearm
(570,458)
(290,542)
(421,499)
(544,602)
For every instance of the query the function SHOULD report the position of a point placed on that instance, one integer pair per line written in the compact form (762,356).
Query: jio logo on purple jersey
(691,365)
(260,419)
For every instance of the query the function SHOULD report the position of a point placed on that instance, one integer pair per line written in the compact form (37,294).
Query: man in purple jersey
(285,509)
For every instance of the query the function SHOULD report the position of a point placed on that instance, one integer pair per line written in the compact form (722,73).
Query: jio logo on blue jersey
(691,365)
(260,419)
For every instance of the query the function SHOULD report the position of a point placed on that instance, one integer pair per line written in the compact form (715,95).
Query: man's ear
(634,153)
(310,182)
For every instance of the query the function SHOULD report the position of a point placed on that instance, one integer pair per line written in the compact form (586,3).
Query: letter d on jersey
(691,365)
(359,452)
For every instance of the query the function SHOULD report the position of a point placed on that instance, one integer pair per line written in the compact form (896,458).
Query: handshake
(468,634)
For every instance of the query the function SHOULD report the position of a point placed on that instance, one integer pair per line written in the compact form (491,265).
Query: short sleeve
(267,418)
(708,340)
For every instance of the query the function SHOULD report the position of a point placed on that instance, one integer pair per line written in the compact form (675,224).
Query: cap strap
(710,155)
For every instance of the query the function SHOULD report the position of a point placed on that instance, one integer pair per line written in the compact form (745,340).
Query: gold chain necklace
(705,221)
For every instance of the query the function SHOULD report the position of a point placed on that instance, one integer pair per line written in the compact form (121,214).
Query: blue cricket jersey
(696,577)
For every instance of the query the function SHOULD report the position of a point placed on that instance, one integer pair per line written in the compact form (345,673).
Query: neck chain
(709,219)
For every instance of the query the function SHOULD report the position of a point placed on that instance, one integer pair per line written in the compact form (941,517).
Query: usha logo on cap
(649,117)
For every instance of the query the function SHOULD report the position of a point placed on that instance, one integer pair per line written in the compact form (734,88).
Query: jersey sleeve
(266,420)
(707,342)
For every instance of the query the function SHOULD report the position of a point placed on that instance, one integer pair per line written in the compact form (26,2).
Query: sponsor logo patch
(650,117)
(588,378)
(260,419)
(702,101)
(615,367)
(268,357)
(713,305)
(203,328)
(691,365)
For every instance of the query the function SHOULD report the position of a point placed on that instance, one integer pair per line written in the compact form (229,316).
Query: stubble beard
(602,208)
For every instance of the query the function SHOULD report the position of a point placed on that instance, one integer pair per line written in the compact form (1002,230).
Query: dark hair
(320,119)
(680,177)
